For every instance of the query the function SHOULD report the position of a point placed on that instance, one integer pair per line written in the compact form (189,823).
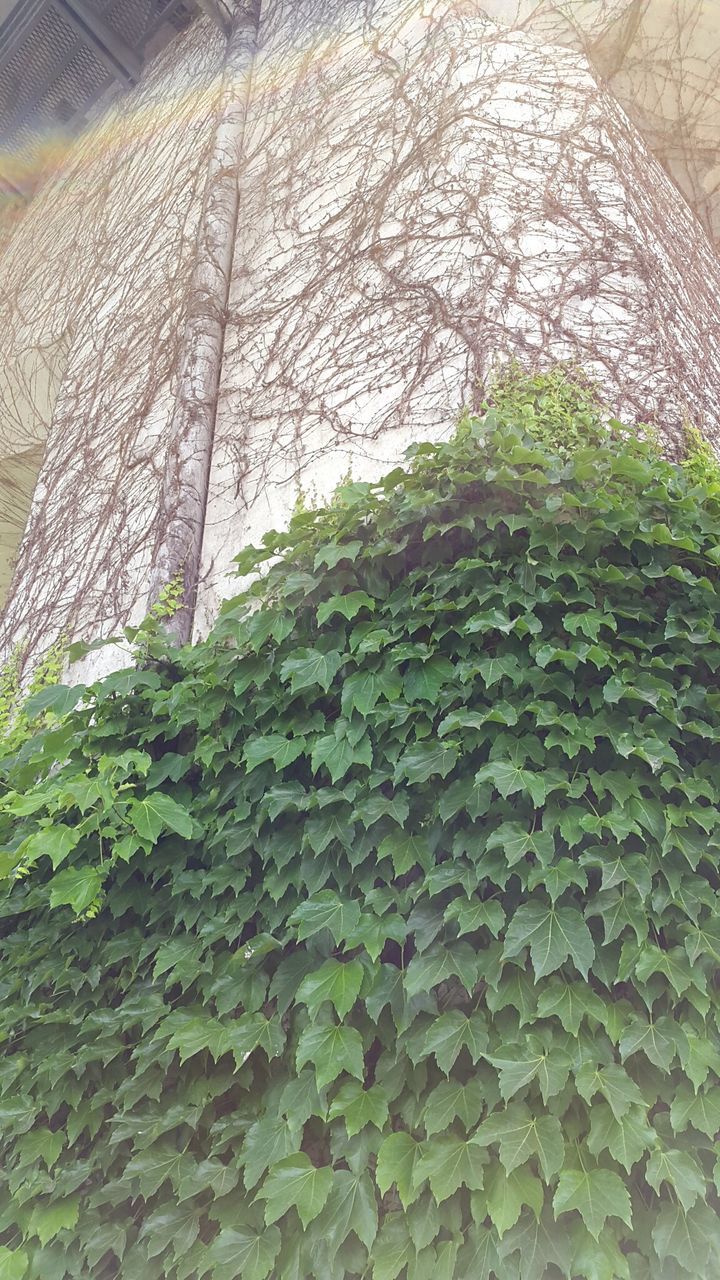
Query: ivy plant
(377,936)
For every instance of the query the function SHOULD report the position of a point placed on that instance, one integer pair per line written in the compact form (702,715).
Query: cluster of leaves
(15,722)
(403,936)
(559,408)
(700,462)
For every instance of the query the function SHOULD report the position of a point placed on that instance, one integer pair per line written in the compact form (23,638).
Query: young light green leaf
(47,1220)
(13,1263)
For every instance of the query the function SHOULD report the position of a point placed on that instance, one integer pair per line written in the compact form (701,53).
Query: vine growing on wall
(377,936)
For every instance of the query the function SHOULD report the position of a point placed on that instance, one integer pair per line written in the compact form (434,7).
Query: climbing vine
(377,936)
(15,724)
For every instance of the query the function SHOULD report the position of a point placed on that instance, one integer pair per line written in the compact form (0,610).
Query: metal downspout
(184,487)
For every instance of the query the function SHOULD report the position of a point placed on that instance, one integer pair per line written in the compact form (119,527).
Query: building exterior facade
(305,238)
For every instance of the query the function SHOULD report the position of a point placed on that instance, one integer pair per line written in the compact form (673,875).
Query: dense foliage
(378,935)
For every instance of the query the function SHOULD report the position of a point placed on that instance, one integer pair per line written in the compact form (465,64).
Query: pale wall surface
(422,194)
(661,60)
(93,283)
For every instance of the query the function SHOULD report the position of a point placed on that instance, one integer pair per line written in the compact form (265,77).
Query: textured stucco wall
(425,194)
(422,193)
(93,285)
(661,60)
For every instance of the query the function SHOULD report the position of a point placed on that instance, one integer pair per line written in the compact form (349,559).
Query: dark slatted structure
(58,57)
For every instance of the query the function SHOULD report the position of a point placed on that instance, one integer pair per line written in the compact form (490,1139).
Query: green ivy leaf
(152,815)
(360,1107)
(521,1135)
(452,1032)
(451,1100)
(509,779)
(310,667)
(597,1194)
(570,1002)
(540,1245)
(553,934)
(252,1031)
(506,1193)
(282,750)
(77,889)
(331,1049)
(326,910)
(238,1251)
(516,842)
(659,1041)
(333,553)
(349,605)
(350,1207)
(392,1249)
(295,1182)
(48,1220)
(267,1141)
(13,1263)
(449,1163)
(701,1110)
(680,1235)
(518,1065)
(627,1137)
(397,1163)
(333,981)
(613,1082)
(58,699)
(424,681)
(423,760)
(681,1170)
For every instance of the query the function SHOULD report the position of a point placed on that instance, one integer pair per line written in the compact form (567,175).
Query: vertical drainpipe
(184,486)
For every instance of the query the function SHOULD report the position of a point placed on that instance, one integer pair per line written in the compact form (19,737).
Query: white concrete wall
(661,60)
(99,266)
(423,193)
(426,194)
